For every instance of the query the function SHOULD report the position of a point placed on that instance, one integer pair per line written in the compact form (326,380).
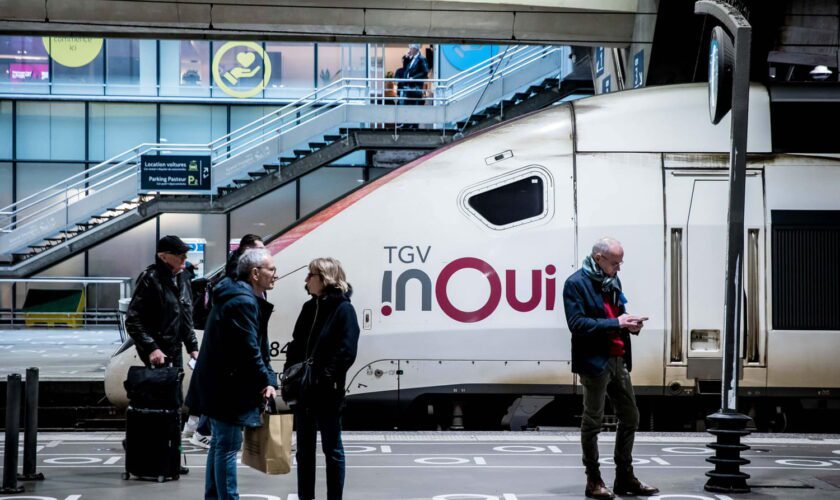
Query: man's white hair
(603,245)
(253,257)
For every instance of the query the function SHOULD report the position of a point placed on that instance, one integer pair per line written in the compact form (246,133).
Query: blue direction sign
(181,173)
(639,69)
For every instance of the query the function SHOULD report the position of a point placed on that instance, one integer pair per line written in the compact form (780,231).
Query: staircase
(70,225)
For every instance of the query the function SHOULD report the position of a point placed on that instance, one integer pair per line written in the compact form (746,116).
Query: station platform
(61,354)
(456,466)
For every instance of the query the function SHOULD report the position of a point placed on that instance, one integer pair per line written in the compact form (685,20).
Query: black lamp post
(729,88)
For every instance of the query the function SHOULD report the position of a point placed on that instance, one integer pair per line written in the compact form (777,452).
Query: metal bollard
(10,457)
(30,429)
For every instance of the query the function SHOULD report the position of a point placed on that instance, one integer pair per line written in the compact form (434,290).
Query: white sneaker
(190,426)
(200,440)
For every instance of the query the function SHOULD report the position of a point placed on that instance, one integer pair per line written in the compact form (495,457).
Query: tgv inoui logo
(394,287)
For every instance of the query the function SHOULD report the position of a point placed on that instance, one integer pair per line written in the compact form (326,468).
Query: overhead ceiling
(577,22)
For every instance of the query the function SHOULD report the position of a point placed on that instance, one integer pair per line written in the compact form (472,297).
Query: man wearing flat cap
(159,318)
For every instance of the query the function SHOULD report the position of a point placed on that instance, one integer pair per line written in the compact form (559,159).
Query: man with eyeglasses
(159,317)
(233,376)
(601,356)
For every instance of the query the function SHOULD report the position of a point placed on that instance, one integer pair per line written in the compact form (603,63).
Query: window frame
(503,180)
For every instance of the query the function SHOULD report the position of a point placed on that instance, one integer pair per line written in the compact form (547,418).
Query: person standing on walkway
(327,331)
(233,376)
(602,358)
(198,427)
(159,317)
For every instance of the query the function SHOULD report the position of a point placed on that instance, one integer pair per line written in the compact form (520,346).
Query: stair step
(257,175)
(551,82)
(240,182)
(521,96)
(39,248)
(287,159)
(535,89)
(332,138)
(271,169)
(317,145)
(86,225)
(21,256)
(301,152)
(492,110)
(57,239)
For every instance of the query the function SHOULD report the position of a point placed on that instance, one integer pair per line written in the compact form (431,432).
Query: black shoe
(630,485)
(183,470)
(595,488)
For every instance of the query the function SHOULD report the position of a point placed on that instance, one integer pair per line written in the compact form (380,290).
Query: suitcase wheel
(126,475)
(161,479)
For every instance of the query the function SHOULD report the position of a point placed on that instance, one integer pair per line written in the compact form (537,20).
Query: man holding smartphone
(601,356)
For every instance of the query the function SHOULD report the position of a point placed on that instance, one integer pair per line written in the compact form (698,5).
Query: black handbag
(154,388)
(295,380)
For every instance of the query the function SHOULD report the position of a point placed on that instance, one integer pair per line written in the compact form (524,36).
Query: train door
(696,212)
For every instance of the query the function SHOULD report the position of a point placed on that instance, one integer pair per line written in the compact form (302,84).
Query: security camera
(820,72)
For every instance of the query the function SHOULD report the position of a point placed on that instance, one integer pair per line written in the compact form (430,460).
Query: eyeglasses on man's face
(272,270)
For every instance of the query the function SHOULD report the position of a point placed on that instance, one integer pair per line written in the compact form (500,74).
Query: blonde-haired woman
(327,331)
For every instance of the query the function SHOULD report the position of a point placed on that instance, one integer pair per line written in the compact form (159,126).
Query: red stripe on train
(336,208)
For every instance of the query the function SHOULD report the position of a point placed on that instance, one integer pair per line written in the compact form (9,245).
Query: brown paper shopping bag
(269,448)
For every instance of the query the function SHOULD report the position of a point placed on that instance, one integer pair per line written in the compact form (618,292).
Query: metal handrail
(345,91)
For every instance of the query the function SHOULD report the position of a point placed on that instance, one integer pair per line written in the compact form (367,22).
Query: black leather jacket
(160,313)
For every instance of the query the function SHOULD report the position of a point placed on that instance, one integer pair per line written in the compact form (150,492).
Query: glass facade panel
(6,184)
(265,216)
(6,129)
(78,65)
(33,177)
(192,124)
(131,67)
(115,128)
(125,255)
(50,130)
(208,226)
(336,61)
(326,184)
(292,69)
(184,68)
(24,65)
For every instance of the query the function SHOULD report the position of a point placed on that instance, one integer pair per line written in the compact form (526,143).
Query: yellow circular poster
(245,65)
(72,52)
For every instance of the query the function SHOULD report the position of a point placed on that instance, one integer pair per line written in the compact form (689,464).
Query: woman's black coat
(329,320)
(233,365)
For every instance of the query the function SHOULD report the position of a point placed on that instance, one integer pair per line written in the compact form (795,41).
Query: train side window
(510,200)
(806,265)
(514,202)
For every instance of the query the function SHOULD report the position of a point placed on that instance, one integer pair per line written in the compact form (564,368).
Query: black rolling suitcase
(152,444)
(153,423)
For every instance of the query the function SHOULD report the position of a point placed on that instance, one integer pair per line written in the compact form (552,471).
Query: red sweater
(616,344)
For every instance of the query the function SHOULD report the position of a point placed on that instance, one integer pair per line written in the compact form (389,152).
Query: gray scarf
(609,285)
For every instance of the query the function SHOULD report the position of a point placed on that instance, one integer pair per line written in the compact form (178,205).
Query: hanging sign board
(175,174)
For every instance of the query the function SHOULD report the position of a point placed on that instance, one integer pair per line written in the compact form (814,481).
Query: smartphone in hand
(191,363)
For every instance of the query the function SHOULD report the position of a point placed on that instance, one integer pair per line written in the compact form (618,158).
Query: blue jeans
(220,477)
(327,419)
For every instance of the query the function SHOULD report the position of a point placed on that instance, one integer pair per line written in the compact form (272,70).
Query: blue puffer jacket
(233,364)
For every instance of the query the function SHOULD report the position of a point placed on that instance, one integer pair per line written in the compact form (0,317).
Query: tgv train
(458,259)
